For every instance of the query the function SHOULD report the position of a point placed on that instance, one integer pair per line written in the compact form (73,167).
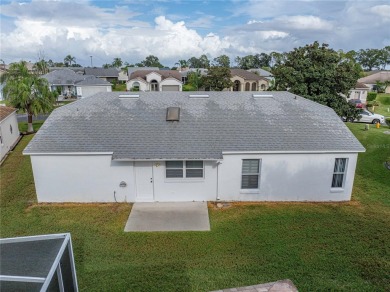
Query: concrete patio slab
(178,216)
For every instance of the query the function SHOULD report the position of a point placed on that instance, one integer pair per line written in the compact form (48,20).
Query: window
(250,173)
(254,86)
(340,167)
(181,169)
(10,128)
(247,86)
(154,85)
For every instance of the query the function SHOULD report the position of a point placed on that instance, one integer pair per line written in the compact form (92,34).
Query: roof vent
(199,95)
(173,114)
(262,95)
(129,96)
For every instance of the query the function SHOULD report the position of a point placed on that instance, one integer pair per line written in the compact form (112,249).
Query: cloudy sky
(180,29)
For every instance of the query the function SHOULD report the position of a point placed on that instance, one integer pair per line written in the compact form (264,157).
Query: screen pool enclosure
(37,263)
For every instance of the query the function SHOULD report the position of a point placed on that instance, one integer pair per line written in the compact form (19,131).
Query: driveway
(178,216)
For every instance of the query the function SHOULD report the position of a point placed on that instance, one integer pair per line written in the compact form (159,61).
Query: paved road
(23,117)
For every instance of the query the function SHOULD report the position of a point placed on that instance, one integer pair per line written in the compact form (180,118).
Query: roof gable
(246,75)
(6,111)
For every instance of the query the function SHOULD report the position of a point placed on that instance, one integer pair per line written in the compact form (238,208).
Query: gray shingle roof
(63,76)
(102,72)
(136,128)
(92,80)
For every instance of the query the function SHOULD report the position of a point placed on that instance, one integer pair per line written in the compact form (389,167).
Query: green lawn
(384,105)
(323,247)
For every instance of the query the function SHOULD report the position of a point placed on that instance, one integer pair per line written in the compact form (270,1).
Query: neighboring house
(71,84)
(247,81)
(372,79)
(262,73)
(193,146)
(155,80)
(9,130)
(184,73)
(107,74)
(91,85)
(359,92)
(78,70)
(133,69)
(122,76)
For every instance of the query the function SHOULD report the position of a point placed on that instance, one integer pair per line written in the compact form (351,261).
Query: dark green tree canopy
(218,78)
(151,61)
(318,73)
(222,61)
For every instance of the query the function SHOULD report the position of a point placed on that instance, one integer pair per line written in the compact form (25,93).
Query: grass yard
(384,105)
(323,247)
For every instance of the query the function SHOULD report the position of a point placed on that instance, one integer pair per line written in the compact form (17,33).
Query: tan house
(247,81)
(372,79)
(155,80)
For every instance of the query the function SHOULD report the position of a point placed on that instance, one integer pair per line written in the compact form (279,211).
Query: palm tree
(68,60)
(41,67)
(27,91)
(117,63)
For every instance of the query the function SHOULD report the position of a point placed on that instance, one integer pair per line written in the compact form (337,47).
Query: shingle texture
(63,76)
(102,72)
(5,111)
(164,74)
(372,79)
(136,128)
(245,74)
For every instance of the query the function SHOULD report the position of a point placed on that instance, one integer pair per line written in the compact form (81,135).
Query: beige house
(154,80)
(371,80)
(247,81)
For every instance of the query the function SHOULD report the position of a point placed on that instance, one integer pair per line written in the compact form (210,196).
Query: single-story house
(9,130)
(359,92)
(71,84)
(107,74)
(193,146)
(151,80)
(247,81)
(372,79)
(262,73)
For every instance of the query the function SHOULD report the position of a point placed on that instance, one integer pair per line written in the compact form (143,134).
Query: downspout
(217,196)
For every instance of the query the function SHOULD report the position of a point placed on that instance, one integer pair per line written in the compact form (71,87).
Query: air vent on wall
(173,114)
(129,96)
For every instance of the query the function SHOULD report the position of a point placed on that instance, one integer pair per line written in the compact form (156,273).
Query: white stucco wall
(287,177)
(8,139)
(358,94)
(284,177)
(153,76)
(92,178)
(182,189)
(170,81)
(86,91)
(142,85)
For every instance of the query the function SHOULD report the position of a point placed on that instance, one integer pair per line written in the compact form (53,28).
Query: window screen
(180,169)
(250,174)
(194,169)
(174,169)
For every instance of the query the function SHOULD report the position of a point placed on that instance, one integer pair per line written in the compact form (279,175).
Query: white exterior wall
(284,177)
(358,94)
(182,189)
(153,76)
(8,139)
(86,91)
(92,178)
(142,85)
(287,177)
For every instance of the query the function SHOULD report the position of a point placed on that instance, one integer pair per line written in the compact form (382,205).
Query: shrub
(372,103)
(371,96)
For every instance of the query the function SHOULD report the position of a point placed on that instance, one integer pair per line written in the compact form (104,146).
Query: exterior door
(144,181)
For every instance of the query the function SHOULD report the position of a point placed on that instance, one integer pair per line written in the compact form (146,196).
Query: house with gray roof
(372,79)
(193,146)
(107,74)
(71,84)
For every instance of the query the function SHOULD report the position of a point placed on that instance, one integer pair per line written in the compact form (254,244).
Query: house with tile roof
(155,80)
(247,81)
(9,130)
(371,80)
(71,84)
(193,146)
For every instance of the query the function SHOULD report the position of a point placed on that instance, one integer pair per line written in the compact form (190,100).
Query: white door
(144,181)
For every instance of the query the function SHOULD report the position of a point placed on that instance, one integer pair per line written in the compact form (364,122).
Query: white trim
(291,152)
(22,279)
(68,153)
(33,238)
(170,159)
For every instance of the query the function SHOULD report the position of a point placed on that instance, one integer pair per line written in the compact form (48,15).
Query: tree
(182,63)
(204,61)
(369,58)
(68,60)
(222,61)
(320,74)
(194,62)
(218,78)
(117,63)
(107,65)
(27,91)
(151,61)
(41,67)
(195,79)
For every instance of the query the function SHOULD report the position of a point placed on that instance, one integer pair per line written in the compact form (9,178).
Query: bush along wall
(371,96)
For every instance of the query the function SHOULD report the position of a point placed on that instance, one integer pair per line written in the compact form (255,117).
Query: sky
(180,29)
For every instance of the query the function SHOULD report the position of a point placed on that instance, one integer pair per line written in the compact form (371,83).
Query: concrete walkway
(178,216)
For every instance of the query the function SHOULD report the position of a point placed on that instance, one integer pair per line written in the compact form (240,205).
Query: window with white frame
(184,169)
(250,173)
(340,168)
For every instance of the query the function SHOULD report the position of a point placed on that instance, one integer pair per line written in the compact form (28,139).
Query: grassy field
(384,105)
(320,247)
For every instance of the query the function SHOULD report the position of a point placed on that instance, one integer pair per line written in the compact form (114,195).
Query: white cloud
(302,22)
(383,11)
